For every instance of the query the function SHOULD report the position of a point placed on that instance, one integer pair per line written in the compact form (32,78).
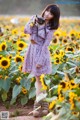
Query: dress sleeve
(44,47)
(28,27)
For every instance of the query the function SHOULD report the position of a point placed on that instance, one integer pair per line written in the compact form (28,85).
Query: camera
(40,20)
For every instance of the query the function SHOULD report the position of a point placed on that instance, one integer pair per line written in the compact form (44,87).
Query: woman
(37,57)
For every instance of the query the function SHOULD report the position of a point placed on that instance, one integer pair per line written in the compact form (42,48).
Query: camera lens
(40,20)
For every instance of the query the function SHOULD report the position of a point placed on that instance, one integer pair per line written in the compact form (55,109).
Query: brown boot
(45,108)
(37,109)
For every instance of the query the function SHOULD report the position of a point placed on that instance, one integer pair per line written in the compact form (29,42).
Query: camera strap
(44,30)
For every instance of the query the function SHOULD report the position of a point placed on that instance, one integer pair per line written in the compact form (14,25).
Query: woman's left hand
(38,66)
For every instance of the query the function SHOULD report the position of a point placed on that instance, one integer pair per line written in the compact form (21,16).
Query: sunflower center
(70,49)
(65,40)
(57,60)
(3,47)
(18,59)
(72,84)
(63,84)
(20,45)
(4,63)
(55,40)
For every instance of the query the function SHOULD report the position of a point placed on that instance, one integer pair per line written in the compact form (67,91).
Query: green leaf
(1,83)
(60,72)
(62,111)
(48,82)
(13,101)
(51,99)
(6,84)
(26,83)
(3,53)
(54,68)
(72,70)
(30,76)
(77,105)
(73,117)
(55,47)
(16,90)
(53,87)
(13,71)
(32,92)
(12,52)
(70,63)
(24,100)
(77,91)
(76,80)
(4,96)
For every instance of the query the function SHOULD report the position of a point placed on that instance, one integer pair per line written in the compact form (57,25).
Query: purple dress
(38,53)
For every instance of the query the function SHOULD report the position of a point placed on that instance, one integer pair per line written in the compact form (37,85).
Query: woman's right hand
(38,66)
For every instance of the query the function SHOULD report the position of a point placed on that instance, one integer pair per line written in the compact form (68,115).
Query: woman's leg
(38,86)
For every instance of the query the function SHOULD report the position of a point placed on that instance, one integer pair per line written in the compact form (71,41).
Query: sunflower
(20,67)
(72,105)
(72,95)
(55,40)
(14,31)
(3,46)
(24,90)
(72,84)
(44,87)
(60,38)
(18,58)
(63,33)
(59,89)
(4,63)
(57,52)
(78,34)
(7,27)
(18,79)
(64,41)
(10,56)
(68,48)
(21,45)
(75,113)
(57,33)
(72,33)
(14,41)
(57,61)
(23,35)
(73,38)
(61,97)
(64,85)
(52,104)
(1,57)
(62,53)
(56,56)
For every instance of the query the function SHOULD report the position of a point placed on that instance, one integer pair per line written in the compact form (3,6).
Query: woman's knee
(37,77)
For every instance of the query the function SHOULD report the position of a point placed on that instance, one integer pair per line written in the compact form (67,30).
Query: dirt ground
(19,112)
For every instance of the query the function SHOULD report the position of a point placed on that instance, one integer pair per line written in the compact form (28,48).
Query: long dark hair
(55,11)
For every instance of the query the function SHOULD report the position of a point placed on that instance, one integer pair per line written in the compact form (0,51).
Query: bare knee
(37,77)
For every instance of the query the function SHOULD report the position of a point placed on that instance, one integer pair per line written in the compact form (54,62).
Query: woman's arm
(28,26)
(45,45)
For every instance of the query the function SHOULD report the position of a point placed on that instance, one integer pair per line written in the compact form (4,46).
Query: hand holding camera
(38,20)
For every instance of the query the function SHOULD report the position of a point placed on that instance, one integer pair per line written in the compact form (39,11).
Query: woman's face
(48,15)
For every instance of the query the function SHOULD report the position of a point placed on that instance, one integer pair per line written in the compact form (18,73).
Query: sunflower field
(63,85)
